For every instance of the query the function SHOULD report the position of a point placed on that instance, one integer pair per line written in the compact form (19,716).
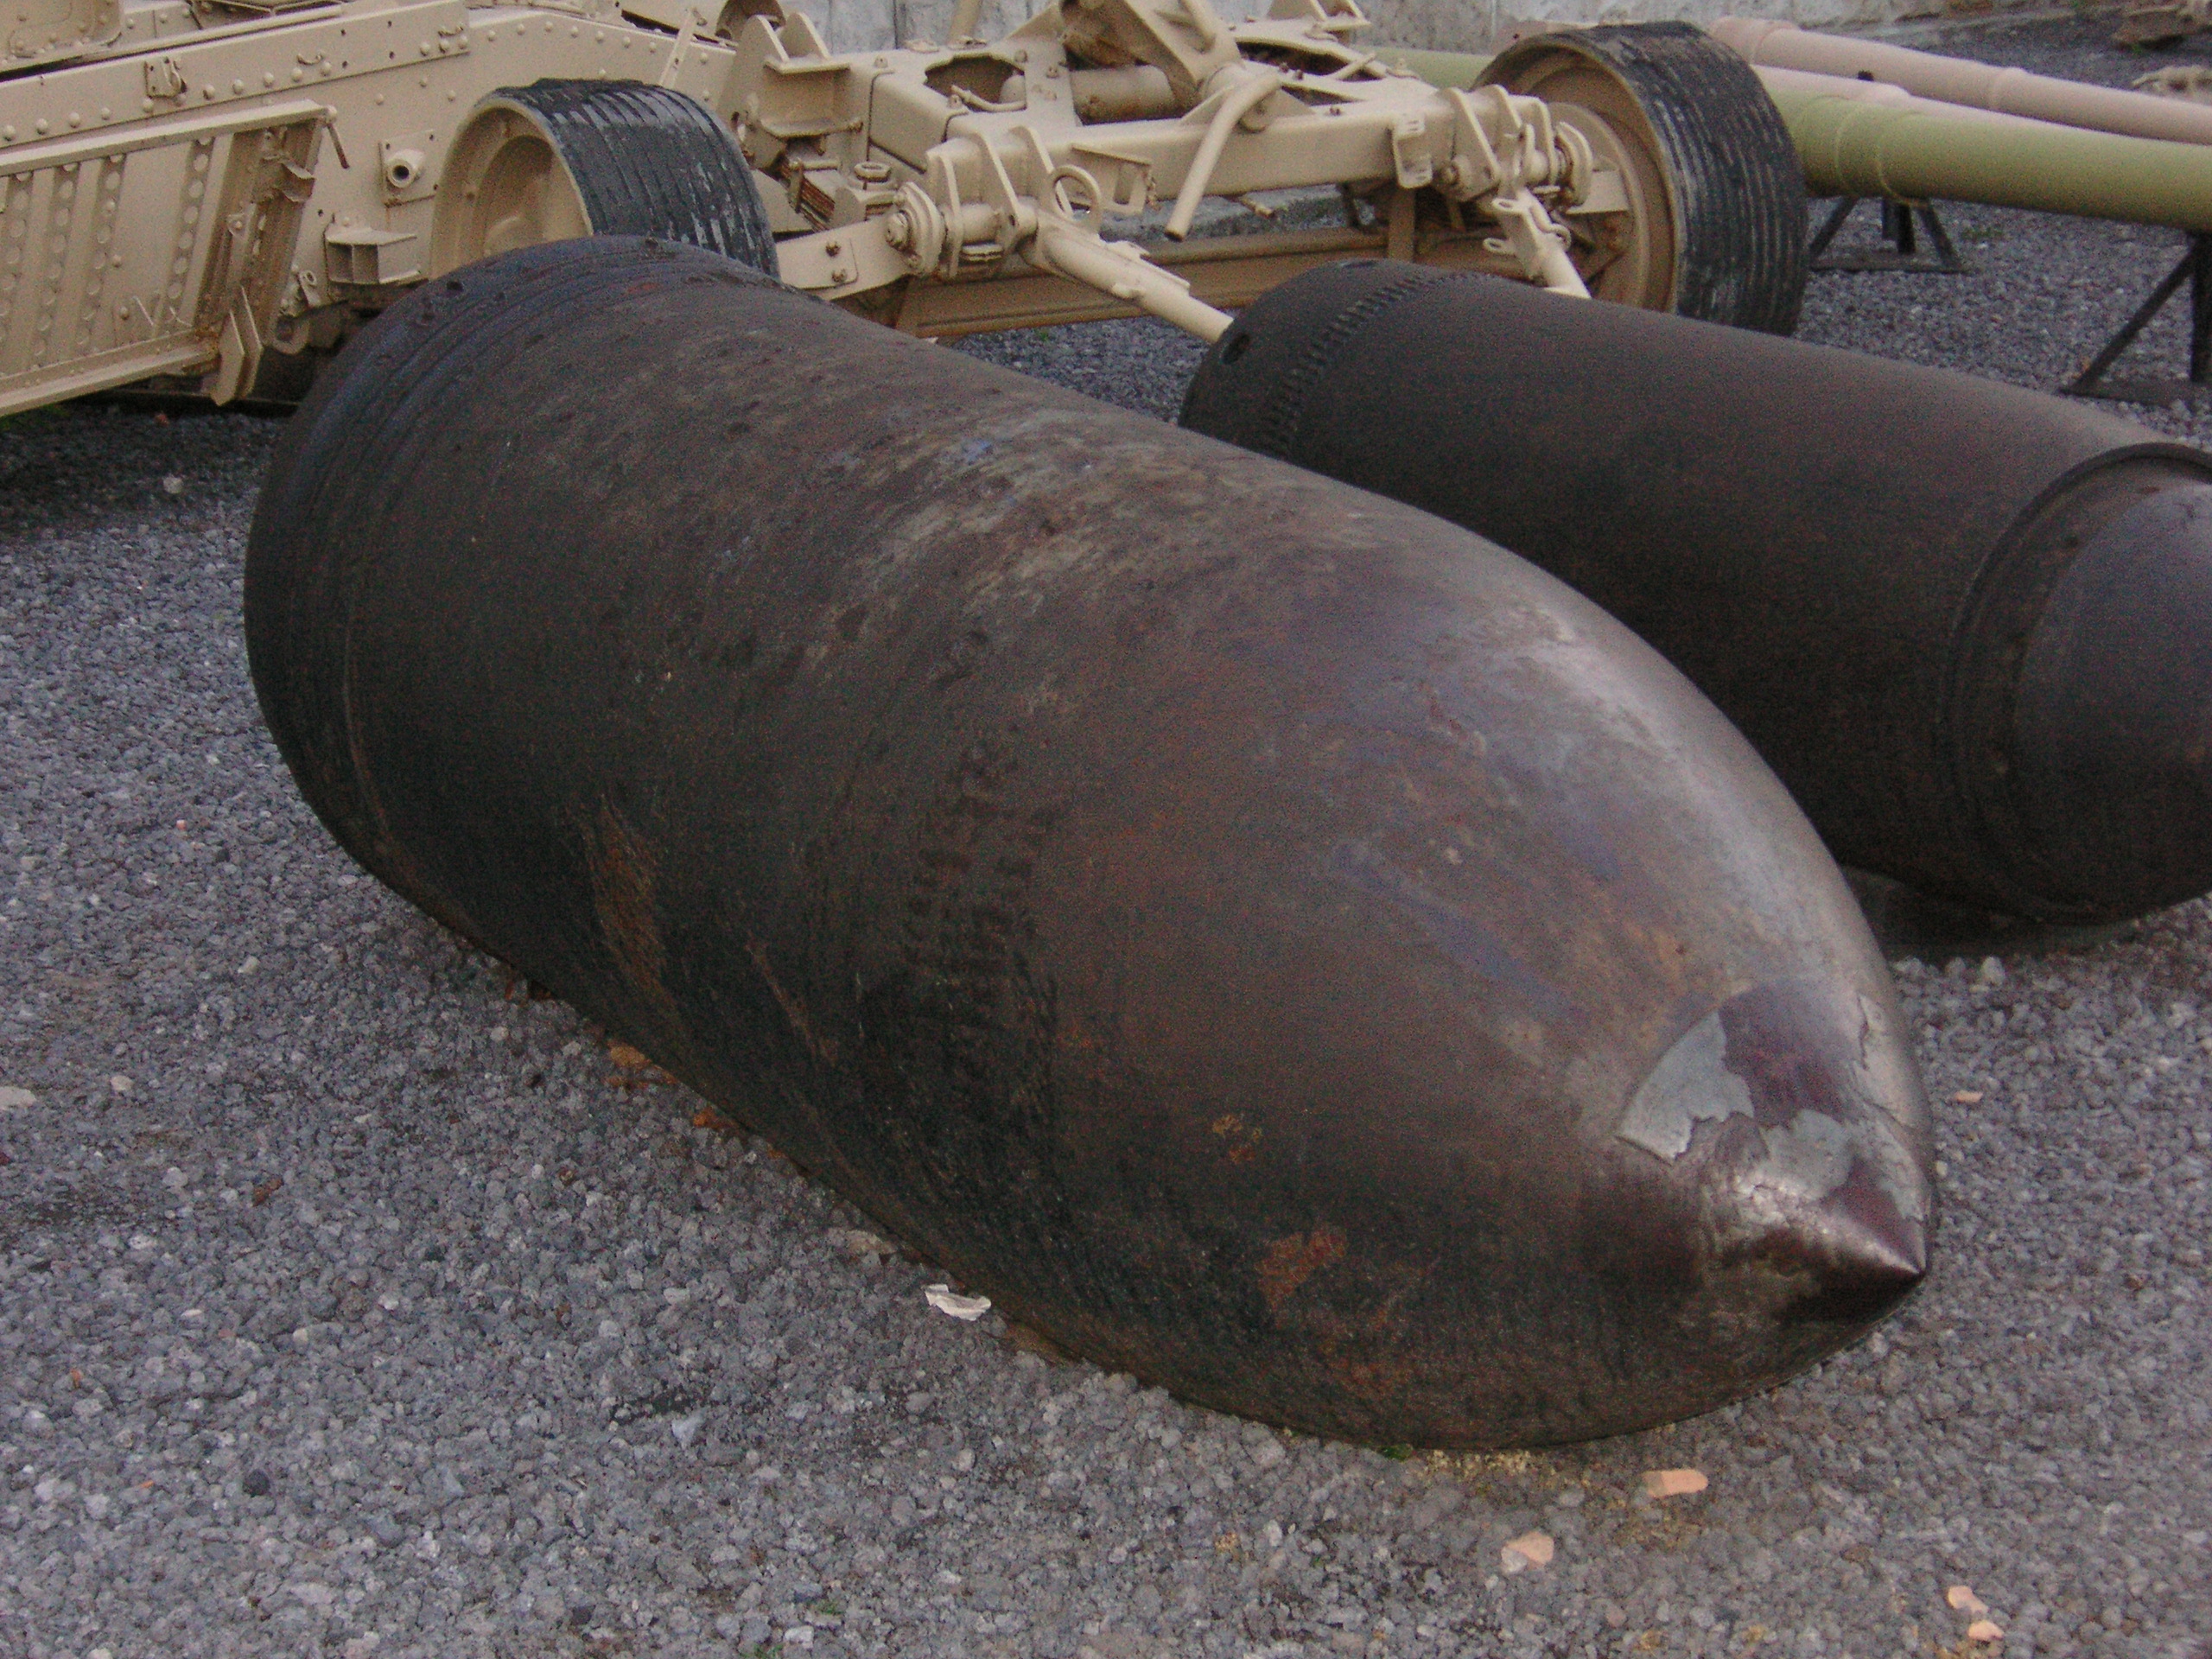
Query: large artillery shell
(1969,626)
(1266,936)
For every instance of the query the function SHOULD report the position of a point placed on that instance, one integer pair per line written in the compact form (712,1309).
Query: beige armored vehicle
(215,189)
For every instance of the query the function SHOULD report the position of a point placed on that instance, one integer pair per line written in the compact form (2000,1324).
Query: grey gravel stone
(368,1318)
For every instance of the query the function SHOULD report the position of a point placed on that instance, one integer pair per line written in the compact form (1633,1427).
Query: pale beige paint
(191,191)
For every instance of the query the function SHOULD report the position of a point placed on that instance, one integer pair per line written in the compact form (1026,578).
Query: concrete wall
(1444,25)
(1460,25)
(859,25)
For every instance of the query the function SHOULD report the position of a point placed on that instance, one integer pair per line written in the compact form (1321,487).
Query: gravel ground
(352,1302)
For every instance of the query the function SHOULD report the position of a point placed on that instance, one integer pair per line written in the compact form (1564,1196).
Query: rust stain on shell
(823,1048)
(1242,1138)
(1291,1262)
(623,870)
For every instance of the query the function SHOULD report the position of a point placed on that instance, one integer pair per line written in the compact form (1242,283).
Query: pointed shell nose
(2111,744)
(1790,1123)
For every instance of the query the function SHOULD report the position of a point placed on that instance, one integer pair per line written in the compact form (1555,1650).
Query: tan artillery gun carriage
(208,189)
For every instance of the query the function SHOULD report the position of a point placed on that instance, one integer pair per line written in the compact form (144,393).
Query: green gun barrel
(1866,138)
(1463,70)
(1770,43)
(1858,138)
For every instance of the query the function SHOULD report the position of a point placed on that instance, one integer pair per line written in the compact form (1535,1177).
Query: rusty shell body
(1969,626)
(1263,936)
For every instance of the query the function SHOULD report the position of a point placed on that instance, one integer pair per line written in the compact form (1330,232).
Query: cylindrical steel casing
(1920,595)
(1771,42)
(1263,936)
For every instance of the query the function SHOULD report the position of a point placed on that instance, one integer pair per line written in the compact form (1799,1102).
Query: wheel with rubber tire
(1715,224)
(563,159)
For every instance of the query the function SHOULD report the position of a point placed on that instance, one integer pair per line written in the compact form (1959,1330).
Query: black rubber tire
(651,162)
(1734,178)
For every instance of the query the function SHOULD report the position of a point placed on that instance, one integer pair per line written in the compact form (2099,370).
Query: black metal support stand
(1902,222)
(2194,268)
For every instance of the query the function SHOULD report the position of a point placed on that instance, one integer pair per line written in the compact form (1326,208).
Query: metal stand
(1899,220)
(2195,268)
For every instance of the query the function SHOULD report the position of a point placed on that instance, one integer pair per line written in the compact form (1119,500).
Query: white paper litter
(946,1299)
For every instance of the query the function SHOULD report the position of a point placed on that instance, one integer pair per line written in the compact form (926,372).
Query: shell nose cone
(2111,750)
(1794,1124)
(1862,1248)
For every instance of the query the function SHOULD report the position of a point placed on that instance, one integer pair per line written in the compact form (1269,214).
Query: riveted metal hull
(1266,938)
(1969,626)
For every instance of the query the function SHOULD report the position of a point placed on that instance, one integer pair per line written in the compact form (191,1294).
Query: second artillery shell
(1970,625)
(1272,940)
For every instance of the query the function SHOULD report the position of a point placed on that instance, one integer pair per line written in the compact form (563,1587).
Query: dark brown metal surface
(1262,935)
(1926,599)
